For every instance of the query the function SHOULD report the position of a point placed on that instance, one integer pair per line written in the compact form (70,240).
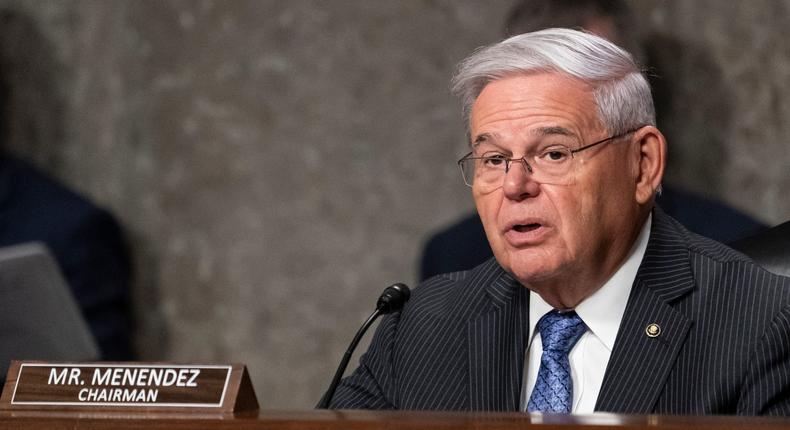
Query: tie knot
(560,331)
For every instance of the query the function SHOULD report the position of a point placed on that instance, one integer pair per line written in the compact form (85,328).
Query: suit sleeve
(372,384)
(766,390)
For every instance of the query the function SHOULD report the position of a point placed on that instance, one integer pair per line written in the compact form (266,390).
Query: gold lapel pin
(653,330)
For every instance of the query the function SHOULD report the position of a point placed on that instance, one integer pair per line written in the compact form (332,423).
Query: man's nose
(520,181)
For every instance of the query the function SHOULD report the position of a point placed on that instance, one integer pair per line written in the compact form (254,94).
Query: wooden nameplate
(128,387)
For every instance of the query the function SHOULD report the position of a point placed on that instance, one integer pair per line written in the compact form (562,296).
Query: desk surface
(360,420)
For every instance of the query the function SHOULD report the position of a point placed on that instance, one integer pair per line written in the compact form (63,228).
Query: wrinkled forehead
(533,103)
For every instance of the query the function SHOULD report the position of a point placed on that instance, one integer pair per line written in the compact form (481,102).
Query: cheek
(488,208)
(599,207)
(577,211)
(573,217)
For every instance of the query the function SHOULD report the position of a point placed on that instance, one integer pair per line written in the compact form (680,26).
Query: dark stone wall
(277,163)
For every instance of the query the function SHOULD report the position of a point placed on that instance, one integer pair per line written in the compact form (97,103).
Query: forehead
(523,104)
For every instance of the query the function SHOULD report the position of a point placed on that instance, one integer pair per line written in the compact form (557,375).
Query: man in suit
(595,299)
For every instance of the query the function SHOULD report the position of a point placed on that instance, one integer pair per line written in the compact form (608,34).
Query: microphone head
(393,298)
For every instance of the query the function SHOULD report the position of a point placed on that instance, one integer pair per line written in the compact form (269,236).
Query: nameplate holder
(129,387)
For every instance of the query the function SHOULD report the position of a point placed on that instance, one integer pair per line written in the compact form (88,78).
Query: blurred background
(275,164)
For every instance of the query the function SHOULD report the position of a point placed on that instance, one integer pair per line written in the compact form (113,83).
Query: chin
(530,265)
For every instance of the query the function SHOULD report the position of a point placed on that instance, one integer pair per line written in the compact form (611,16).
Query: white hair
(620,90)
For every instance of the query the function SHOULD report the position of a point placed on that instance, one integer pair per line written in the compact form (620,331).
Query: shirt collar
(603,311)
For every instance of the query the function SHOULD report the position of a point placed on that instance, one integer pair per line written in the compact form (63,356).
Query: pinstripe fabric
(458,344)
(724,346)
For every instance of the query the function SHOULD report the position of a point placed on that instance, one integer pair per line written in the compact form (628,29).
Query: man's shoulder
(26,184)
(720,268)
(712,252)
(37,207)
(464,293)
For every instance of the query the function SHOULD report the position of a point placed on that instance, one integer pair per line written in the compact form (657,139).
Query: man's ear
(652,148)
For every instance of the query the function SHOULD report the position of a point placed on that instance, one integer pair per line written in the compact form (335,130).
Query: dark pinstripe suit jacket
(724,346)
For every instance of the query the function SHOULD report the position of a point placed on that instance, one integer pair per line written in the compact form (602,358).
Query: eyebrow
(553,130)
(481,138)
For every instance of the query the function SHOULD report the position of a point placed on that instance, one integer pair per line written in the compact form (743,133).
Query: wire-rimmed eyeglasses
(549,165)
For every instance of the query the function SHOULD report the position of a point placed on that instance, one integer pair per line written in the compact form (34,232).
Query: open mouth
(524,228)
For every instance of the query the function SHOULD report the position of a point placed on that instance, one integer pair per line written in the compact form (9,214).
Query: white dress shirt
(602,312)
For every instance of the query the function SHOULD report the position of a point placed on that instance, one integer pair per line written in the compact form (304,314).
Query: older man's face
(578,227)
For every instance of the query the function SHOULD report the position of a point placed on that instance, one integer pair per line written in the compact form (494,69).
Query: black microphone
(392,299)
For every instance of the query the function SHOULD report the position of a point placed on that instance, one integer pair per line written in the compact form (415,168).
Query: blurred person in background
(86,241)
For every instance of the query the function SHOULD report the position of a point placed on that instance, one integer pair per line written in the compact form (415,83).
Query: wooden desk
(361,420)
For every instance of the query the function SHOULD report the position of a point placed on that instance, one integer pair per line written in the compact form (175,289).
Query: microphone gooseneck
(391,300)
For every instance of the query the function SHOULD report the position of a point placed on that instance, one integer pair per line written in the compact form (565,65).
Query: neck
(574,286)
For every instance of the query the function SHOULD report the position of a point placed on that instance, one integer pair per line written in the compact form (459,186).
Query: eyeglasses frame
(523,159)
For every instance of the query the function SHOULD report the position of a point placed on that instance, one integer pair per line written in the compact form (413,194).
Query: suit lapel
(640,364)
(642,359)
(497,340)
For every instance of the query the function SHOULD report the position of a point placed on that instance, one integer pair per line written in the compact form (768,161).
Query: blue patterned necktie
(553,390)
